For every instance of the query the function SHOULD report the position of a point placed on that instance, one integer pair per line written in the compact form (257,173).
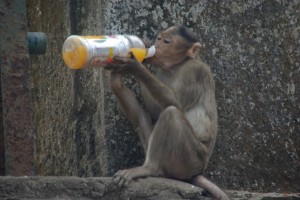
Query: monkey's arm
(200,108)
(130,106)
(159,91)
(162,94)
(195,86)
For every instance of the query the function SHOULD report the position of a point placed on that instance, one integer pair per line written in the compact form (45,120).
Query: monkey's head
(174,45)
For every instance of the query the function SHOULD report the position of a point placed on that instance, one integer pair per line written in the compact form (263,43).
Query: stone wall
(2,149)
(252,48)
(68,105)
(16,131)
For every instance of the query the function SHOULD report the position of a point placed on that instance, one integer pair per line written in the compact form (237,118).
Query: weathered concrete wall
(52,92)
(253,50)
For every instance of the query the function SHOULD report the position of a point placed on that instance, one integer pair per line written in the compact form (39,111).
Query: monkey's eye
(158,38)
(167,41)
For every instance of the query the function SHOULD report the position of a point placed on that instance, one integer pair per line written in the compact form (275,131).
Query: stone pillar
(16,93)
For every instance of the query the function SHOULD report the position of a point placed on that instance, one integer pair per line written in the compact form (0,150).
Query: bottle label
(102,49)
(102,56)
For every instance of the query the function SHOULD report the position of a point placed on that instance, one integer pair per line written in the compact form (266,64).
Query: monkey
(178,125)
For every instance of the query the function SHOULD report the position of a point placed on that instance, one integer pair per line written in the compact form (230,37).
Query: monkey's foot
(123,177)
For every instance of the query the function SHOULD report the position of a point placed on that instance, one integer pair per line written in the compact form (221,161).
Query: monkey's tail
(215,191)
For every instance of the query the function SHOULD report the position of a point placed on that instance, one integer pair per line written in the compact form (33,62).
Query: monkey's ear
(194,50)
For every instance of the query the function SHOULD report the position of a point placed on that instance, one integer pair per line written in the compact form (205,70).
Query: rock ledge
(38,187)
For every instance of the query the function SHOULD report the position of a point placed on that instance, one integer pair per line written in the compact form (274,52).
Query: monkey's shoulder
(195,68)
(195,64)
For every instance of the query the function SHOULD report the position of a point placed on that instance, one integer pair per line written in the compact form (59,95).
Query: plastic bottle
(96,51)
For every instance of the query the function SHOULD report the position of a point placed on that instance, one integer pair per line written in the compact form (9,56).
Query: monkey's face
(170,50)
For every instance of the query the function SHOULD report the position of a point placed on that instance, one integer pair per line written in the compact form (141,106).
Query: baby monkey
(178,127)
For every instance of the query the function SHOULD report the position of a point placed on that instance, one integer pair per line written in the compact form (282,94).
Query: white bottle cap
(151,52)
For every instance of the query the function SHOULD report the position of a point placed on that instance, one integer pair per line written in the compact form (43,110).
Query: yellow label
(94,37)
(111,52)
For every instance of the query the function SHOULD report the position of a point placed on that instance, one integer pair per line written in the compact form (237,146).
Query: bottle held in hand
(97,51)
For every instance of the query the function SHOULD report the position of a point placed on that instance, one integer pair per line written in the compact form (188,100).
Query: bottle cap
(75,52)
(151,52)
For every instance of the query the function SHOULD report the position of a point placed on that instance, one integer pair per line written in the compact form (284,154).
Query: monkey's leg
(173,151)
(131,107)
(216,192)
(174,147)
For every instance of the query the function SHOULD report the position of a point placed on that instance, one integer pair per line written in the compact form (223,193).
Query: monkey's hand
(123,64)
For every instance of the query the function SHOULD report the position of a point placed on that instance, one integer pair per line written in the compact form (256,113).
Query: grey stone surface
(101,188)
(94,188)
(253,50)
